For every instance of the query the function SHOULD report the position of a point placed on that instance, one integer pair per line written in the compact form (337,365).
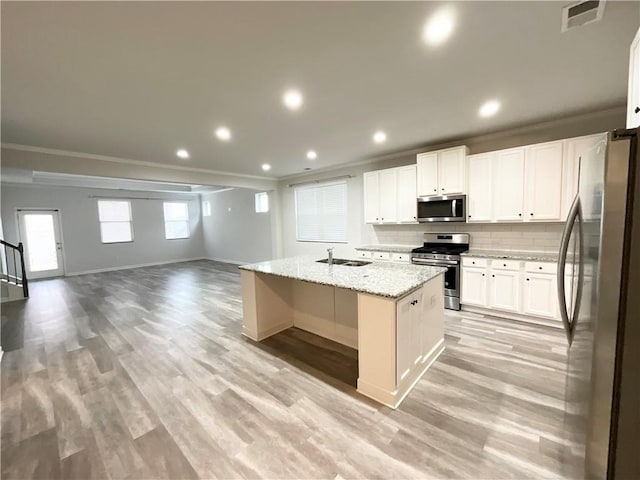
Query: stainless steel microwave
(447,208)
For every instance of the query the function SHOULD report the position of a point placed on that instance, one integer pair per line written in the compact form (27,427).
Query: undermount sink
(345,262)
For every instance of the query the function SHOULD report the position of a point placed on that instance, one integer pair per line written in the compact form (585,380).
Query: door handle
(574,212)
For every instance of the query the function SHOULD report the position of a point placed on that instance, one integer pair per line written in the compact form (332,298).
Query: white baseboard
(128,267)
(226,260)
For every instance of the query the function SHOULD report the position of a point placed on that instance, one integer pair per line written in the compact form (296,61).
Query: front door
(40,234)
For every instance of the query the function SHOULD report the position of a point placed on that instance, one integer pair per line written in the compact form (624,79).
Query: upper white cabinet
(633,98)
(508,185)
(427,174)
(371,186)
(406,192)
(480,188)
(442,172)
(574,148)
(390,195)
(543,182)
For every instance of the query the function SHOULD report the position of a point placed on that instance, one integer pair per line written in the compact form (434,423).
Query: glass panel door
(40,234)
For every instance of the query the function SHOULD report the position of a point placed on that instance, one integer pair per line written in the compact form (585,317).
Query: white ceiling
(138,80)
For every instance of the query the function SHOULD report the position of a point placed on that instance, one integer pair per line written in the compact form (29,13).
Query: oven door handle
(434,263)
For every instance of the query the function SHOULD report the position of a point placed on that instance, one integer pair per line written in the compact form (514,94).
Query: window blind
(321,212)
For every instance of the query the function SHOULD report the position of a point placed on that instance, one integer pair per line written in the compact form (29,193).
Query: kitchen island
(393,314)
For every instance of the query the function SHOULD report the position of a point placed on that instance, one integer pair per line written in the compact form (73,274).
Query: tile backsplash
(536,237)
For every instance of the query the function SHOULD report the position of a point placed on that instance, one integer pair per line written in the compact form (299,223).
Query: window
(206,208)
(321,212)
(176,220)
(262,202)
(115,221)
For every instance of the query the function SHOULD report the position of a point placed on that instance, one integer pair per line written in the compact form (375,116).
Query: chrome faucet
(330,258)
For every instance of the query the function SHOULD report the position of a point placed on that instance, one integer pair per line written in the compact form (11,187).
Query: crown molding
(127,161)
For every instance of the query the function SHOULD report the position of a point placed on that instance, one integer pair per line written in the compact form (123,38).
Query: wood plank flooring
(141,374)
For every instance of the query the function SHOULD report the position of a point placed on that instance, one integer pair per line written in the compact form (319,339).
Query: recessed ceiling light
(439,27)
(489,108)
(223,133)
(312,155)
(292,99)
(182,153)
(379,137)
(266,167)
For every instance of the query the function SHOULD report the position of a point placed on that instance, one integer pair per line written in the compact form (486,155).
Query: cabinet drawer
(505,264)
(381,256)
(401,257)
(363,254)
(541,267)
(474,262)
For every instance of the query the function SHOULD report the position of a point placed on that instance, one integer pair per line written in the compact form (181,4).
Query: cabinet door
(388,204)
(543,180)
(540,295)
(404,340)
(633,99)
(479,198)
(407,197)
(505,290)
(474,286)
(427,174)
(574,148)
(508,185)
(419,331)
(451,166)
(371,189)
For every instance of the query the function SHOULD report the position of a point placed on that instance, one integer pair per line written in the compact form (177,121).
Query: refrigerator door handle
(562,260)
(576,307)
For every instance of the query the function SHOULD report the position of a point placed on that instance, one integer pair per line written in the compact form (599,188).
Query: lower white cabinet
(474,290)
(513,286)
(504,288)
(540,295)
(410,330)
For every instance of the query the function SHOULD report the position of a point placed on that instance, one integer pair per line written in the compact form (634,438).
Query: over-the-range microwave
(446,208)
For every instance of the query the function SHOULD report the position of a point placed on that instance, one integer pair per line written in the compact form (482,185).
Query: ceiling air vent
(582,13)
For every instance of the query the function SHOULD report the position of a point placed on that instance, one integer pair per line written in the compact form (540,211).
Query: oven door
(451,276)
(449,208)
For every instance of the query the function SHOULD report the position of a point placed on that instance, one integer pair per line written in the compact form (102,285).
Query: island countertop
(393,280)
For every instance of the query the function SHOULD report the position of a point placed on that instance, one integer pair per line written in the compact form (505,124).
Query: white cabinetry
(390,195)
(388,207)
(371,186)
(442,172)
(508,183)
(479,200)
(504,290)
(474,286)
(409,333)
(574,148)
(543,182)
(526,289)
(406,192)
(427,174)
(633,98)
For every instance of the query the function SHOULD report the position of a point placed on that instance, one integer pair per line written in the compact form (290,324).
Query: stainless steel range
(443,250)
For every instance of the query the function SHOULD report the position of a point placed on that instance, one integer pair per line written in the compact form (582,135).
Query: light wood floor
(144,374)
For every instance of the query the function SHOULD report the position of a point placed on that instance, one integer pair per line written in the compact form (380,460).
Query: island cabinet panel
(407,337)
(377,348)
(313,308)
(346,317)
(266,304)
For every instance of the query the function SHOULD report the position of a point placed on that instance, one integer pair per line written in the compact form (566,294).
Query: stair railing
(14,265)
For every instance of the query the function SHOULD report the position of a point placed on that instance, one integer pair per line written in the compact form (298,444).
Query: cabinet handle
(519,214)
(504,264)
(493,276)
(539,268)
(473,263)
(527,279)
(531,214)
(443,189)
(376,218)
(382,218)
(483,274)
(637,110)
(435,189)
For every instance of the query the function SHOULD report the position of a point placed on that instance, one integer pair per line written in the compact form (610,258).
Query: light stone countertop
(388,248)
(386,279)
(513,255)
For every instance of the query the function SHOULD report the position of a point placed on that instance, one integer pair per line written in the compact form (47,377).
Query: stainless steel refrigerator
(599,295)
